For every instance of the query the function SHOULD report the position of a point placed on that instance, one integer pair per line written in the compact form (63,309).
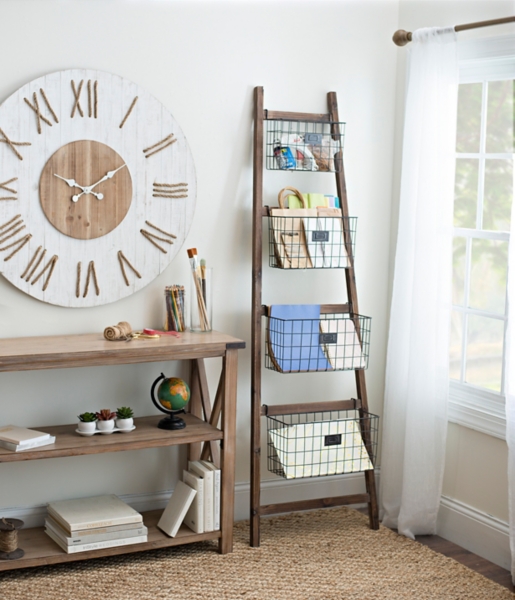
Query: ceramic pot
(105,425)
(125,423)
(87,427)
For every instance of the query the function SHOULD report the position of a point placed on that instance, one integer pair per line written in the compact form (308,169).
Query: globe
(173,394)
(170,395)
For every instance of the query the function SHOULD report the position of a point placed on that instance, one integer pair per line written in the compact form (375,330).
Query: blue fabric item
(294,338)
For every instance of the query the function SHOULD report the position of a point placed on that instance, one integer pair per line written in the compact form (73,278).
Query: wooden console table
(205,437)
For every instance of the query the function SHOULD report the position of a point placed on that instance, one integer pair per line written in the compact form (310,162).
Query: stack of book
(195,500)
(91,523)
(19,438)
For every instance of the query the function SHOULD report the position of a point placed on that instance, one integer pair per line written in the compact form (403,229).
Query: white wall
(202,59)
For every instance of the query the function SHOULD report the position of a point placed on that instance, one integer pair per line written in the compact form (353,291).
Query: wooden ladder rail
(258,311)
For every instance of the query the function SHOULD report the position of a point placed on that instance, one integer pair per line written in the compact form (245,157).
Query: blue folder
(294,338)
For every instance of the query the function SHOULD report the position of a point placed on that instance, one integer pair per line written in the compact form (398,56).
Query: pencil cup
(201,300)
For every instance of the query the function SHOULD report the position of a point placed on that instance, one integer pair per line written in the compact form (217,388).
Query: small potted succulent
(87,422)
(124,417)
(105,419)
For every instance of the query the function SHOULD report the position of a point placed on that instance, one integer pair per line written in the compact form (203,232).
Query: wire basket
(318,444)
(333,342)
(311,242)
(304,145)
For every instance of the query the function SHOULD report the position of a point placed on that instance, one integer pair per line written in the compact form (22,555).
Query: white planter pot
(105,425)
(87,427)
(125,423)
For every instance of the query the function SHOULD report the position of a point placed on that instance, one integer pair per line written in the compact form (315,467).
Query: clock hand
(107,176)
(70,182)
(87,189)
(73,183)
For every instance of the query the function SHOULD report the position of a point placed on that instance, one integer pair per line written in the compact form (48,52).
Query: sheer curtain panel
(417,370)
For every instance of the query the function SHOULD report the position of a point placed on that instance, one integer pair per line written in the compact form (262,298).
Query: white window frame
(490,59)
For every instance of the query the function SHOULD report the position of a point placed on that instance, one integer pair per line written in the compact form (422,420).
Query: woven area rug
(326,554)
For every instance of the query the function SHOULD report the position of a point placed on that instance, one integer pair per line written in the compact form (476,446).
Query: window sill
(477,409)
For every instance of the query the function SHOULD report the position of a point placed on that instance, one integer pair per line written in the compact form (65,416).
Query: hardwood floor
(472,561)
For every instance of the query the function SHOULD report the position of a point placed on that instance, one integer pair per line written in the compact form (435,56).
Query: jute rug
(327,554)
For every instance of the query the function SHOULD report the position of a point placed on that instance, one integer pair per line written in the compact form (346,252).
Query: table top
(65,351)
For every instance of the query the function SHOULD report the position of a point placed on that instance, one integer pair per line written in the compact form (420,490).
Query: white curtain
(509,386)
(417,371)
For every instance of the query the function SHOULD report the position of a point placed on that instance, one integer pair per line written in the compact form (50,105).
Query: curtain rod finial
(401,37)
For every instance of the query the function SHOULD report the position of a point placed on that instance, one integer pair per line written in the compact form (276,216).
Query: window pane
(465,192)
(499,117)
(455,345)
(458,271)
(498,194)
(469,117)
(489,261)
(484,352)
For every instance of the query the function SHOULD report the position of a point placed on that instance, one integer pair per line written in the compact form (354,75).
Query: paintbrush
(203,278)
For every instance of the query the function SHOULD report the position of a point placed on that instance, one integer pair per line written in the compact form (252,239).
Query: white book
(95,545)
(96,511)
(21,435)
(37,443)
(89,539)
(217,492)
(94,531)
(176,509)
(194,518)
(197,467)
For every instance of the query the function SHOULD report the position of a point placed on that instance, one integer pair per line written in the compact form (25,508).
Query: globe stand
(172,422)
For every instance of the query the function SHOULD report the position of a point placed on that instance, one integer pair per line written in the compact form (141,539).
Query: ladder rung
(307,407)
(286,507)
(325,309)
(277,115)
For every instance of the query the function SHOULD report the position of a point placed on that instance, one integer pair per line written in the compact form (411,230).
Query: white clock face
(97,188)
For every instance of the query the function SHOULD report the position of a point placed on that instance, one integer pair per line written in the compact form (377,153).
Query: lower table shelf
(41,550)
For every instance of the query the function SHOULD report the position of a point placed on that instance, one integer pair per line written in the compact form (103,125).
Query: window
(482,209)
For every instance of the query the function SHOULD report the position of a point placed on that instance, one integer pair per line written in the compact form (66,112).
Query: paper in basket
(309,449)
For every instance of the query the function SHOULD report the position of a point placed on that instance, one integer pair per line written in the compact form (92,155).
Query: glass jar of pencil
(201,299)
(175,319)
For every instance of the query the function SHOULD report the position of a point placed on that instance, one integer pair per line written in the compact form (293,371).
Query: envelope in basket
(325,239)
(288,232)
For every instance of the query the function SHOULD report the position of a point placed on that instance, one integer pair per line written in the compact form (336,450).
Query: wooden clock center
(85,189)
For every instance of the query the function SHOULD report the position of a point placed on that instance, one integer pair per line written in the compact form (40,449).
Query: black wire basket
(304,145)
(318,444)
(311,242)
(332,342)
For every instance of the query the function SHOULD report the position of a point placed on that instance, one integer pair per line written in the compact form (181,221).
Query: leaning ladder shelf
(312,123)
(203,434)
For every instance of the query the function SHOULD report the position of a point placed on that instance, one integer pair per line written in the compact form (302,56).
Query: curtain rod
(401,37)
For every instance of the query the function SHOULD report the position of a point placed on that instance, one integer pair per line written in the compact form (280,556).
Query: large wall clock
(97,188)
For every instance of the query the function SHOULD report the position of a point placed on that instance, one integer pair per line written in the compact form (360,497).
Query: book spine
(96,545)
(217,491)
(194,518)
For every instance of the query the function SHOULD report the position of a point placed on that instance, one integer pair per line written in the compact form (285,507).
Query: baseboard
(475,531)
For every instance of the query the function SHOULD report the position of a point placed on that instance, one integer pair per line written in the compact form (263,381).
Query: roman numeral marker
(164,143)
(91,274)
(8,230)
(12,144)
(128,112)
(92,91)
(170,190)
(36,109)
(33,265)
(151,237)
(123,259)
(3,186)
